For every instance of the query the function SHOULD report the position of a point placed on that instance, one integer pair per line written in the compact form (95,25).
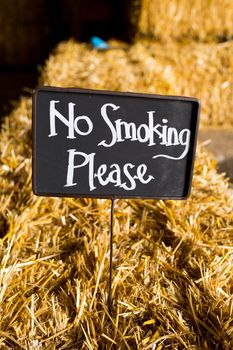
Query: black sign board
(104,144)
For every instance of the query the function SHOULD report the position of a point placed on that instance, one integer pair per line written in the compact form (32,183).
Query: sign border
(111,93)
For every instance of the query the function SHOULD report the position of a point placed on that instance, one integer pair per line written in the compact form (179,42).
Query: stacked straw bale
(200,70)
(172,283)
(202,20)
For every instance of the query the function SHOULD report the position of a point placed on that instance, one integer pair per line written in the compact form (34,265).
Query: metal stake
(110,257)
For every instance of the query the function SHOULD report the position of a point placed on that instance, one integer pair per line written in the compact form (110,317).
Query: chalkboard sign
(104,144)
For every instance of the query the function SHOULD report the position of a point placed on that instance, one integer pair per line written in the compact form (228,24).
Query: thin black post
(110,257)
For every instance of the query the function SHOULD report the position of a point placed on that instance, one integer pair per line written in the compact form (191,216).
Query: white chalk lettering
(129,177)
(104,174)
(141,172)
(72,123)
(129,129)
(183,141)
(70,170)
(155,131)
(152,133)
(109,123)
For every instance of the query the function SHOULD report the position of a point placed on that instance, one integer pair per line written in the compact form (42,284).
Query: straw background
(194,69)
(202,20)
(172,281)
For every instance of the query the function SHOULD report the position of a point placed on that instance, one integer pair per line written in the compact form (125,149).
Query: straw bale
(172,281)
(201,70)
(200,20)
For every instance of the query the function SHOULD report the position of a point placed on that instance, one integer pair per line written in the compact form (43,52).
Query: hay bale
(180,19)
(172,262)
(172,281)
(201,70)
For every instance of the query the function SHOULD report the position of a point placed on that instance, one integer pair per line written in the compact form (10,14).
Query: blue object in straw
(98,43)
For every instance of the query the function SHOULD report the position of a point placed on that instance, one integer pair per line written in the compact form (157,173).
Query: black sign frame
(164,98)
